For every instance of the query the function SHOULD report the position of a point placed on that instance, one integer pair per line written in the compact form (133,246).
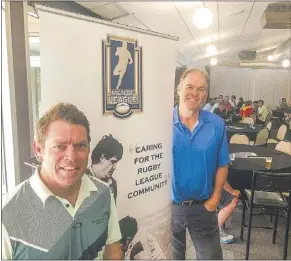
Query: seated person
(247,110)
(209,105)
(227,204)
(228,106)
(221,110)
(240,102)
(262,112)
(282,104)
(233,101)
(255,106)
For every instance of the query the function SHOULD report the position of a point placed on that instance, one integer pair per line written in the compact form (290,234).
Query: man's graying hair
(187,72)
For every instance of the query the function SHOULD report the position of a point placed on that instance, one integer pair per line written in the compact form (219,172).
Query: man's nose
(70,153)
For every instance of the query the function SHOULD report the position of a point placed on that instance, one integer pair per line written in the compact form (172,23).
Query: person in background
(227,205)
(216,105)
(240,102)
(233,101)
(283,104)
(60,212)
(209,105)
(221,110)
(255,106)
(220,97)
(246,110)
(228,106)
(200,166)
(262,112)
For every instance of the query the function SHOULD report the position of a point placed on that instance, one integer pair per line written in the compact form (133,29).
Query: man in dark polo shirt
(200,155)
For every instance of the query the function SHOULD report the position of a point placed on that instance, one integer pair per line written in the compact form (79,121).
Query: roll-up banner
(122,78)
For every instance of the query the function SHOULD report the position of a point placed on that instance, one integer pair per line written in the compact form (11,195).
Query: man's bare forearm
(220,179)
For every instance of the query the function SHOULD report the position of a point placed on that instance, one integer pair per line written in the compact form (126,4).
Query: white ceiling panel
(236,27)
(110,11)
(130,20)
(93,5)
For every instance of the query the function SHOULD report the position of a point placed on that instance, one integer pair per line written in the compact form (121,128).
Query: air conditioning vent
(247,55)
(277,16)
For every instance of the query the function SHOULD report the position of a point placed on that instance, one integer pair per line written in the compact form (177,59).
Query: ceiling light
(202,18)
(34,39)
(211,50)
(35,61)
(213,61)
(270,58)
(286,63)
(32,14)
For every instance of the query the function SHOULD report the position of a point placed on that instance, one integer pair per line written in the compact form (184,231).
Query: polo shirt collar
(202,118)
(44,193)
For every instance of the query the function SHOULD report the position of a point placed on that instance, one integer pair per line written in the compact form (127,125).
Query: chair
(266,192)
(262,137)
(284,146)
(248,120)
(239,138)
(280,135)
(269,125)
(268,119)
(253,116)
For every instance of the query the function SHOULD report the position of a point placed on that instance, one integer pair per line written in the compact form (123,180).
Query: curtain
(269,85)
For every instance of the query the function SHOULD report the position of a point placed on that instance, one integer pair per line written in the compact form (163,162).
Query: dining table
(235,127)
(253,158)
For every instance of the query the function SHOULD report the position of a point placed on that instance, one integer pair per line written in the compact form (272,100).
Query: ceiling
(236,26)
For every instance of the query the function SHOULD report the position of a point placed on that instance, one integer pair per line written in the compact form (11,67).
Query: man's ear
(37,148)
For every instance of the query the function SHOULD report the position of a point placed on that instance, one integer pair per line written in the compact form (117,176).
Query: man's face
(227,98)
(220,97)
(261,104)
(108,166)
(193,90)
(64,154)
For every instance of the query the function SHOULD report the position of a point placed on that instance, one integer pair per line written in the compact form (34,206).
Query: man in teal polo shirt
(200,155)
(60,212)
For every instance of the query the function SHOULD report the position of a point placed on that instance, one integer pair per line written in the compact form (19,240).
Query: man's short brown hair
(61,111)
(188,71)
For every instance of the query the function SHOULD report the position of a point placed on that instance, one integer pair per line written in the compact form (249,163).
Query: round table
(233,128)
(241,171)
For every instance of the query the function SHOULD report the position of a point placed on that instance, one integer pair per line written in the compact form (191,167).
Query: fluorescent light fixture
(286,63)
(32,14)
(270,58)
(34,39)
(35,61)
(202,18)
(211,50)
(213,61)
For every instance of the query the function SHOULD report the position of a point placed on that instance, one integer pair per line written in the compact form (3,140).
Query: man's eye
(59,146)
(81,146)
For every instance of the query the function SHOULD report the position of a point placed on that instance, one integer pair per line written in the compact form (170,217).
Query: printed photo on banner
(142,237)
(122,76)
(104,159)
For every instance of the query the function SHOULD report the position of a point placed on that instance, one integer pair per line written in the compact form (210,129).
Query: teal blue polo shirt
(197,155)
